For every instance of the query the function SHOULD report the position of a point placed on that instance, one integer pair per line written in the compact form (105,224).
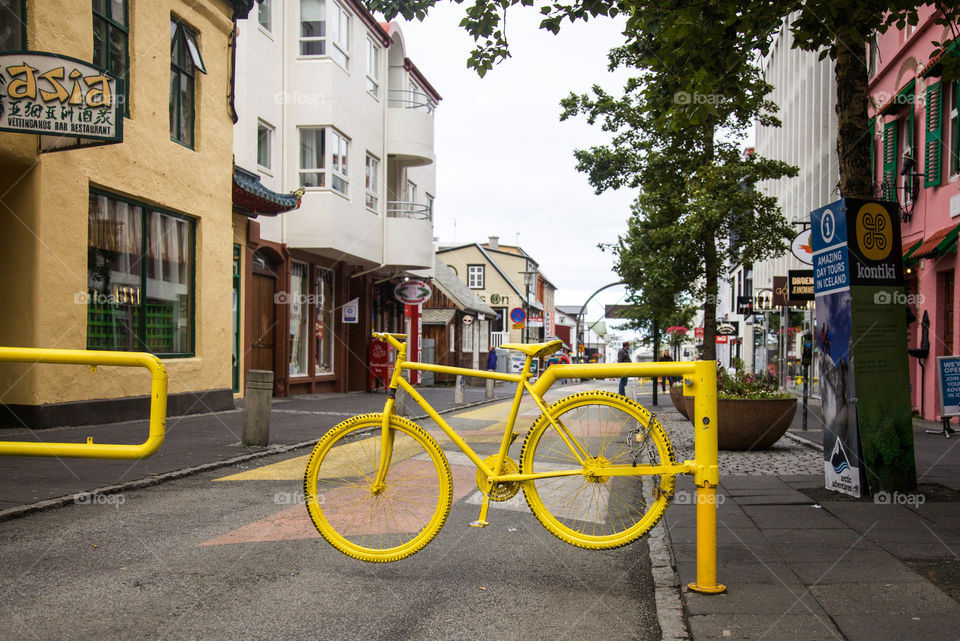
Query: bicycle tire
(388,525)
(591,511)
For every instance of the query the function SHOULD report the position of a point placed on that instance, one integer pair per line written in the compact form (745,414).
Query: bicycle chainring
(503,491)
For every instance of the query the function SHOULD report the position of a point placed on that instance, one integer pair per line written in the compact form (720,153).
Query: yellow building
(125,245)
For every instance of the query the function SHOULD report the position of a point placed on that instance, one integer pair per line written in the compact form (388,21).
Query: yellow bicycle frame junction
(699,381)
(158,403)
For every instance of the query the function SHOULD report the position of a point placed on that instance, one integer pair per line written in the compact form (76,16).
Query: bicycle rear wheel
(589,509)
(367,523)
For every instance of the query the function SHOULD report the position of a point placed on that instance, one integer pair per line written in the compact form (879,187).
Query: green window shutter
(934,135)
(872,132)
(890,161)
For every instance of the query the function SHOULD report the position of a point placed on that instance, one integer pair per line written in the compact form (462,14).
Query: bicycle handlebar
(396,340)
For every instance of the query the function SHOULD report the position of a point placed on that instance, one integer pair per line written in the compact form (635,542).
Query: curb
(813,445)
(666,587)
(67,499)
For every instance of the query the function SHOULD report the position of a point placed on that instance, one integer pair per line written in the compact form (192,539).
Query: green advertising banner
(861,337)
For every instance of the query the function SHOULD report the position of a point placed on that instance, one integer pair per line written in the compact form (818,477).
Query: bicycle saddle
(537,350)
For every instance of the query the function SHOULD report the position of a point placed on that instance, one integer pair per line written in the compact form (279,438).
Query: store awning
(437,316)
(938,244)
(908,256)
(252,198)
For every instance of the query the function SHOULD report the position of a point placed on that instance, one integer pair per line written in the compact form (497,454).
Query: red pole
(414,352)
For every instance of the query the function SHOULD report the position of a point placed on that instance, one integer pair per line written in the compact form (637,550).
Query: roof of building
(570,310)
(457,291)
(938,243)
(437,316)
(252,198)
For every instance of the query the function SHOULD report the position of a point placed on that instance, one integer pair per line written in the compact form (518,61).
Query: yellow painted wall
(44,248)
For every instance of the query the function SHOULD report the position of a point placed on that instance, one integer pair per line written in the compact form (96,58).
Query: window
(410,196)
(498,324)
(953,131)
(429,206)
(323,325)
(905,139)
(140,274)
(185,61)
(475,276)
(317,27)
(264,144)
(111,32)
(322,148)
(13,25)
(372,184)
(452,336)
(373,67)
(298,300)
(467,336)
(264,14)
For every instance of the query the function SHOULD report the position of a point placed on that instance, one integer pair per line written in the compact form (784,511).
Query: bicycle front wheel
(377,524)
(607,432)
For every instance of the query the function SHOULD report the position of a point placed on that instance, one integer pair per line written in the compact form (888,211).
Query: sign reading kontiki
(67,102)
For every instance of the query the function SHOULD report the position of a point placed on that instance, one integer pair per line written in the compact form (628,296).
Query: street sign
(517,315)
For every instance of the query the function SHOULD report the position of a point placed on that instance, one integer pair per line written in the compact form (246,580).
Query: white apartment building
(805,90)
(329,103)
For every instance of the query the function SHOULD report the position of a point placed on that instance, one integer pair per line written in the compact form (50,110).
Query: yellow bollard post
(707,476)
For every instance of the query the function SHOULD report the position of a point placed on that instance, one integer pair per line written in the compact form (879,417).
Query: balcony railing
(410,99)
(404,209)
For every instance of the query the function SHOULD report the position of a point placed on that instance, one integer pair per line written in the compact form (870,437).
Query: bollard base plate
(719,588)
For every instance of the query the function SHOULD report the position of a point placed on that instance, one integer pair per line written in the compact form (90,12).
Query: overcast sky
(505,162)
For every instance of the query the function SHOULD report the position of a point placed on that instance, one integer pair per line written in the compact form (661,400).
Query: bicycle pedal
(479,523)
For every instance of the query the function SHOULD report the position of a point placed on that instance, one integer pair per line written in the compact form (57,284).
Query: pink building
(915,135)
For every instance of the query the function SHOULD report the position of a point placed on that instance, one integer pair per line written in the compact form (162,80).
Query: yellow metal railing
(158,403)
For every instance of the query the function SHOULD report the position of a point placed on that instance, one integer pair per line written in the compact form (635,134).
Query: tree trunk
(853,144)
(711,271)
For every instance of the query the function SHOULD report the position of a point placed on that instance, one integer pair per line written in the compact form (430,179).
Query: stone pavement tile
(836,537)
(770,599)
(865,516)
(736,574)
(880,627)
(731,553)
(791,497)
(750,482)
(725,535)
(792,627)
(791,516)
(855,570)
(921,533)
(813,553)
(802,480)
(913,550)
(848,599)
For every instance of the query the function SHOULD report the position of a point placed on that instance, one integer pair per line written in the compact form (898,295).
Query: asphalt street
(231,554)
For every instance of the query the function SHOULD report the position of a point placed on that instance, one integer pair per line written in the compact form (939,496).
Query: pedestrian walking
(492,359)
(665,357)
(623,356)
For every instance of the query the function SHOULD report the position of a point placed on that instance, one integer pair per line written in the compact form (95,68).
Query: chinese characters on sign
(67,102)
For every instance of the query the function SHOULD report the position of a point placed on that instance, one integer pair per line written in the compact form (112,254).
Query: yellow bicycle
(596,468)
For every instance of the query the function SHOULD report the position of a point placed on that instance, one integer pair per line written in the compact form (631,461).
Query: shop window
(13,25)
(298,299)
(323,327)
(498,324)
(111,35)
(185,62)
(140,277)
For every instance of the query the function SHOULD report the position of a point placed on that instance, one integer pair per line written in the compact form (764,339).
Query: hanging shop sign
(67,102)
(800,285)
(350,313)
(468,320)
(535,321)
(412,292)
(802,249)
(698,332)
(722,340)
(728,328)
(780,291)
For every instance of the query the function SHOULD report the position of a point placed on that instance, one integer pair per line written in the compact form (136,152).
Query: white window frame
(903,130)
(475,276)
(429,198)
(268,129)
(373,68)
(468,336)
(333,141)
(372,184)
(953,130)
(452,336)
(339,35)
(265,10)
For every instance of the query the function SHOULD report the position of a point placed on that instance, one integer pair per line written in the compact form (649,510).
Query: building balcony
(330,225)
(409,235)
(410,127)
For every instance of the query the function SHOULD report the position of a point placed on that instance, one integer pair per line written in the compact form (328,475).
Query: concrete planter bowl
(750,424)
(676,397)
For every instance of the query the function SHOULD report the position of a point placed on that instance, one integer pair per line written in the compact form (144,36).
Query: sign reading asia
(412,292)
(66,101)
(861,347)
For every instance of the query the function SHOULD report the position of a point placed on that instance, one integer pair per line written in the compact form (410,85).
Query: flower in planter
(748,385)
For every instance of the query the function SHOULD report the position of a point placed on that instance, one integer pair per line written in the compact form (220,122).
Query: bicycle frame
(699,380)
